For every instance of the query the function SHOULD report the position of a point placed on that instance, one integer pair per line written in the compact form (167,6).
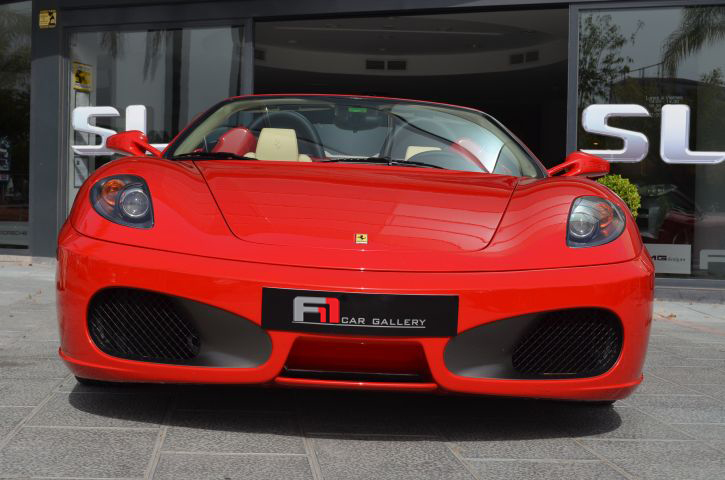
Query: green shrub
(626,190)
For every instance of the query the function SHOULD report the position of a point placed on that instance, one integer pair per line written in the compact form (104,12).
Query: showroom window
(510,64)
(167,77)
(653,57)
(15,27)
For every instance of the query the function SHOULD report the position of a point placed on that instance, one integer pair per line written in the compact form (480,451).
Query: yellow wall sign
(47,18)
(82,77)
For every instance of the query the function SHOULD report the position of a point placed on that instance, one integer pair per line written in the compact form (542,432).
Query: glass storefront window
(654,57)
(175,74)
(15,27)
(509,64)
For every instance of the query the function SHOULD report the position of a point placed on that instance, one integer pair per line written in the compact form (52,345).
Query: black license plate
(359,313)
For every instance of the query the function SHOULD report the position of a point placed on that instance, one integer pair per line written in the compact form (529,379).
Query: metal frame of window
(65,128)
(573,97)
(19,251)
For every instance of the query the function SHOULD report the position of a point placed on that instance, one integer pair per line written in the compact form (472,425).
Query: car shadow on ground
(342,412)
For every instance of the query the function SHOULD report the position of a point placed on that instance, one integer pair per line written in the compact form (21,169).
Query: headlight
(123,199)
(593,221)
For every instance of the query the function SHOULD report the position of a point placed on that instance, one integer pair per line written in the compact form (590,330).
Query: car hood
(330,206)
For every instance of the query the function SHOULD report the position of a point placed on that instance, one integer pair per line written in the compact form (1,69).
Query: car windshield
(355,130)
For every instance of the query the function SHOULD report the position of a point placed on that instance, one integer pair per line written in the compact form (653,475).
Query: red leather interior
(238,140)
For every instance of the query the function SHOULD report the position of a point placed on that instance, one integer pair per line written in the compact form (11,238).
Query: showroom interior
(533,65)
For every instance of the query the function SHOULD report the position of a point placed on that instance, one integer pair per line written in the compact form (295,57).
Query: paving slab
(662,459)
(193,466)
(681,408)
(690,375)
(24,391)
(386,457)
(61,452)
(714,391)
(653,384)
(233,432)
(543,470)
(10,417)
(367,422)
(31,367)
(101,410)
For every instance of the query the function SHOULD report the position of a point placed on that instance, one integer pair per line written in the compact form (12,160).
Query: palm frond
(700,26)
(155,40)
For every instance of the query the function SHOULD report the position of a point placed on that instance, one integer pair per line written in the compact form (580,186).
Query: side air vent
(374,65)
(580,342)
(524,57)
(140,325)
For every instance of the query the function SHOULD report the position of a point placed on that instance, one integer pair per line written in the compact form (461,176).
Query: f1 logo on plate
(327,308)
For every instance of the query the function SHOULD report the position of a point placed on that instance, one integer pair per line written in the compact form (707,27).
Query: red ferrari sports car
(353,242)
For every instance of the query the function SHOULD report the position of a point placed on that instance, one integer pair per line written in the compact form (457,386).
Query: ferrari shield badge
(361,238)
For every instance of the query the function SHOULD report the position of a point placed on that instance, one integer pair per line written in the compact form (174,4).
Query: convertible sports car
(353,242)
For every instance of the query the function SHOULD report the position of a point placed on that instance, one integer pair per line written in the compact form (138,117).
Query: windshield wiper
(211,156)
(381,161)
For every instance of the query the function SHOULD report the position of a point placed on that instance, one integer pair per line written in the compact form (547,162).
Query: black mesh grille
(582,342)
(141,325)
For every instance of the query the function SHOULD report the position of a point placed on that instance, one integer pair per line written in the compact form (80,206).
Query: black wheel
(88,382)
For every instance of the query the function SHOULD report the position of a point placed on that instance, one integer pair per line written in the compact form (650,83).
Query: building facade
(73,72)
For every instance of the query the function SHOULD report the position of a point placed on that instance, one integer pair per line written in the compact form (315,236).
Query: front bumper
(86,265)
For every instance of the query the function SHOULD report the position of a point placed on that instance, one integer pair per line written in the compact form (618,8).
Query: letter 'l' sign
(675,141)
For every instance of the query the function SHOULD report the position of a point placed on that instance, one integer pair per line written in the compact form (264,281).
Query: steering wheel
(303,128)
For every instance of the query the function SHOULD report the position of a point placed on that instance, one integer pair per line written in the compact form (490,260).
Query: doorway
(511,64)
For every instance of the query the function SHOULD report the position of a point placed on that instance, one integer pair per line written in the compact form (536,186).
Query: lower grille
(140,325)
(581,342)
(354,376)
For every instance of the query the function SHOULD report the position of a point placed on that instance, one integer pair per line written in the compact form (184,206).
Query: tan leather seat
(414,150)
(278,144)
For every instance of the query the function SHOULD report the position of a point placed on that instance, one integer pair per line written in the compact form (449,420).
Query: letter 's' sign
(82,122)
(674,141)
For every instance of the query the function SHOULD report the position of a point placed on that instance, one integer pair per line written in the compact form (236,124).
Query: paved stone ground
(51,427)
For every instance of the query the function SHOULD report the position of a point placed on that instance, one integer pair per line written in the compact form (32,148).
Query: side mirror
(581,164)
(133,142)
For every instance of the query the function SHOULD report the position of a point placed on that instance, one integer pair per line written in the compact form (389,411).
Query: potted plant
(626,190)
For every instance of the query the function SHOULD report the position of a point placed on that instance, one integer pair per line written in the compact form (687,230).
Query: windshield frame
(201,118)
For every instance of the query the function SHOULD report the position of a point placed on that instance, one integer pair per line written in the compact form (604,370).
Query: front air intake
(141,325)
(579,343)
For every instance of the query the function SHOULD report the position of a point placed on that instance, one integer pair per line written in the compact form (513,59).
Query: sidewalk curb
(695,295)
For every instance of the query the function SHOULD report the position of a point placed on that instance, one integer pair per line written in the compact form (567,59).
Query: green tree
(601,62)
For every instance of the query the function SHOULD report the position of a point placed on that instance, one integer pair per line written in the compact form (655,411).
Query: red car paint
(225,229)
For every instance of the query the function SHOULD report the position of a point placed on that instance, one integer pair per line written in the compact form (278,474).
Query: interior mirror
(132,142)
(581,164)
